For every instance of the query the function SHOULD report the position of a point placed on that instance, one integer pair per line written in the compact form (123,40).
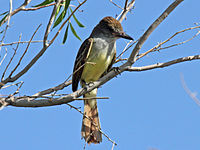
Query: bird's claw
(116,70)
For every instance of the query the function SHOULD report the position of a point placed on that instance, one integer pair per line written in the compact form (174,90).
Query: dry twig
(15,51)
(26,2)
(158,46)
(10,76)
(20,42)
(162,65)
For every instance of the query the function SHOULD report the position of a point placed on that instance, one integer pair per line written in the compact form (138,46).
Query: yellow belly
(96,65)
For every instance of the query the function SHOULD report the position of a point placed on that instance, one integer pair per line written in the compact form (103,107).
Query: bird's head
(112,28)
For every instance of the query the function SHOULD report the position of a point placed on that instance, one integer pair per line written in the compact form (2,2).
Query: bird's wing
(80,61)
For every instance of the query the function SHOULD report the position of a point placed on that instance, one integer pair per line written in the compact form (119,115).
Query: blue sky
(146,110)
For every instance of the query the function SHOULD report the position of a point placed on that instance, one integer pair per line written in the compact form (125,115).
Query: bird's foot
(116,70)
(87,85)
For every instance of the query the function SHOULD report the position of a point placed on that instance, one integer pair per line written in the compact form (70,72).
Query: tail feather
(91,124)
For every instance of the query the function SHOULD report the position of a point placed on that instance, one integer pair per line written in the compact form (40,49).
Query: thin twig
(132,57)
(45,44)
(157,47)
(116,5)
(177,44)
(113,145)
(14,84)
(20,42)
(126,4)
(24,52)
(26,2)
(17,91)
(15,51)
(124,12)
(8,23)
(39,7)
(90,98)
(4,56)
(126,48)
(162,65)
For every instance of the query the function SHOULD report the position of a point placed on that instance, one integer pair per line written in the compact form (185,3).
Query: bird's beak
(124,35)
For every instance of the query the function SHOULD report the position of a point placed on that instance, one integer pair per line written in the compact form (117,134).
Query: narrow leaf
(78,22)
(3,13)
(3,19)
(74,32)
(67,4)
(60,18)
(44,3)
(58,10)
(66,34)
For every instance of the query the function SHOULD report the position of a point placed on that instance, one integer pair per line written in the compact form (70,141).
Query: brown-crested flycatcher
(95,57)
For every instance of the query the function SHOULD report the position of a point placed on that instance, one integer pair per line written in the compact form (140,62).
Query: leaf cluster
(60,16)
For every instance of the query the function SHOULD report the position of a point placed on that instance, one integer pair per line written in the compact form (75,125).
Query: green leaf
(60,18)
(58,10)
(67,4)
(66,34)
(62,15)
(78,22)
(3,19)
(4,13)
(44,3)
(74,32)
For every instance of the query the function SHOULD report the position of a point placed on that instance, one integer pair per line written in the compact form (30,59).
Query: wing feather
(80,61)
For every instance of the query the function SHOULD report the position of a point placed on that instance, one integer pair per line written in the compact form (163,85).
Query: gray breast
(104,46)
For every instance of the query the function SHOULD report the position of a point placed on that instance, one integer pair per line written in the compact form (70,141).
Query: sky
(147,110)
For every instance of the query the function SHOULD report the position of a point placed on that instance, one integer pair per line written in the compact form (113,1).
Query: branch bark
(162,65)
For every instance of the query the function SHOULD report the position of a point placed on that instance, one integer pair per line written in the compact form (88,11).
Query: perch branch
(162,65)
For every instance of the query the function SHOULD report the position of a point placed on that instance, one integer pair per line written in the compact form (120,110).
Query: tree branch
(127,8)
(157,47)
(132,57)
(45,44)
(20,42)
(53,89)
(26,2)
(162,65)
(11,59)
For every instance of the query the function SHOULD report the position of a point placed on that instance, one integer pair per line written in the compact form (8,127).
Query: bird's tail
(91,124)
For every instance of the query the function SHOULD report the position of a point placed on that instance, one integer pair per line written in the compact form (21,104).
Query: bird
(94,59)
